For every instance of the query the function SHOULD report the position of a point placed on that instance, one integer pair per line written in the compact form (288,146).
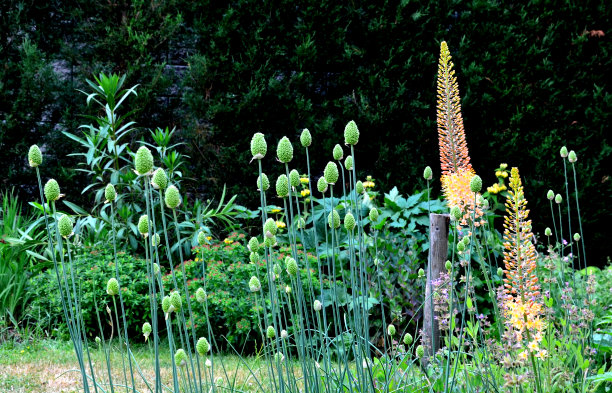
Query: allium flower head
(270,227)
(476,184)
(52,190)
(576,237)
(558,198)
(166,305)
(109,193)
(550,195)
(333,219)
(266,182)
(572,157)
(294,178)
(349,222)
(322,185)
(305,138)
(548,231)
(143,225)
(156,268)
(421,272)
(427,173)
(112,287)
(282,186)
(201,238)
(284,334)
(176,301)
(301,223)
(146,330)
(253,245)
(337,152)
(254,284)
(351,133)
(200,295)
(331,173)
(155,240)
(448,265)
(34,156)
(270,332)
(180,357)
(348,163)
(143,160)
(407,339)
(65,226)
(292,267)
(373,215)
(202,346)
(254,257)
(391,330)
(270,241)
(420,351)
(284,150)
(259,147)
(359,189)
(563,152)
(172,197)
(317,305)
(160,179)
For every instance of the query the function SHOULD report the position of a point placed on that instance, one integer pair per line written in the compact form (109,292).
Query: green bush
(94,268)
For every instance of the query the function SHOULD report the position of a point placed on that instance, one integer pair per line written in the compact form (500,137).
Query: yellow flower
(305,192)
(504,174)
(369,178)
(498,173)
(280,224)
(523,355)
(542,354)
(533,346)
(503,166)
(209,238)
(275,211)
(197,259)
(227,241)
(304,180)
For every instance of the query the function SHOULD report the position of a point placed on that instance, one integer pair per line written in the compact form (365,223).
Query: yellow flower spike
(280,224)
(304,180)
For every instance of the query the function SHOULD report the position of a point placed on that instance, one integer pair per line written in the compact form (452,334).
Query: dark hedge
(532,76)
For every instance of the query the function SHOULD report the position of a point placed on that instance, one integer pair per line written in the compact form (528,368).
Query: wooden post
(438,252)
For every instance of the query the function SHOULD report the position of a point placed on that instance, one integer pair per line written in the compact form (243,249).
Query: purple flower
(564,242)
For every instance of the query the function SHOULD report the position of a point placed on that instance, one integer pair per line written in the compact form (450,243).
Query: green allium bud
(391,330)
(160,179)
(266,182)
(500,272)
(461,246)
(201,238)
(34,156)
(155,268)
(143,161)
(112,287)
(180,357)
(407,339)
(373,214)
(563,152)
(175,300)
(277,269)
(155,240)
(455,213)
(254,284)
(420,351)
(109,193)
(284,334)
(322,185)
(466,240)
(259,147)
(98,341)
(270,227)
(576,237)
(349,222)
(254,257)
(282,186)
(572,157)
(65,226)
(548,232)
(270,332)
(166,304)
(351,133)
(348,163)
(331,173)
(253,244)
(292,267)
(359,187)
(448,265)
(172,197)
(146,330)
(143,225)
(52,190)
(200,295)
(476,183)
(333,219)
(284,150)
(427,173)
(279,357)
(318,306)
(270,241)
(558,198)
(421,273)
(305,138)
(338,153)
(550,195)
(294,178)
(202,346)
(288,290)
(208,363)
(301,223)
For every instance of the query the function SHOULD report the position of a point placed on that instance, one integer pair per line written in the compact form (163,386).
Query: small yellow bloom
(305,192)
(542,354)
(209,238)
(304,180)
(369,178)
(523,355)
(275,210)
(504,174)
(498,173)
(533,346)
(280,224)
(227,241)
(503,166)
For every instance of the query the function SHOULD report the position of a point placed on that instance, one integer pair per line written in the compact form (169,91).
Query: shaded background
(533,76)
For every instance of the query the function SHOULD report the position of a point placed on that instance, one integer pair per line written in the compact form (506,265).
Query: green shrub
(94,268)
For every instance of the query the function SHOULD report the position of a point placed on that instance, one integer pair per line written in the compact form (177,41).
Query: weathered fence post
(438,251)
